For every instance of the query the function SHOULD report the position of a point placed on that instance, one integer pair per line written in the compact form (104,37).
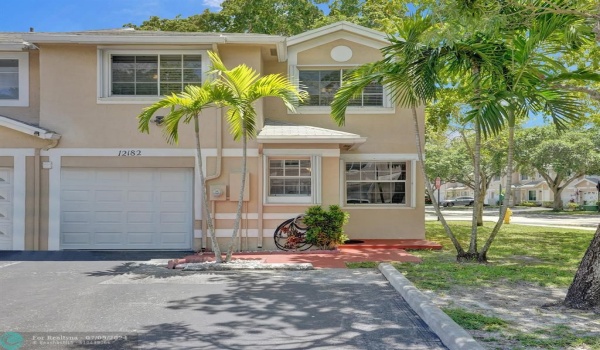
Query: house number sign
(130,153)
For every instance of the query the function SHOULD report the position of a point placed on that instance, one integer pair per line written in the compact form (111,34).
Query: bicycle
(291,235)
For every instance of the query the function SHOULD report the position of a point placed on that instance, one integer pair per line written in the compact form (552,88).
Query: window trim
(294,72)
(315,180)
(104,72)
(23,59)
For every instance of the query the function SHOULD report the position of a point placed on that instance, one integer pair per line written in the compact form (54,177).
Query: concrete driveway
(158,308)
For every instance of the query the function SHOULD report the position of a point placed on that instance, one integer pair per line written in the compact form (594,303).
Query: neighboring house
(582,191)
(449,190)
(533,188)
(76,174)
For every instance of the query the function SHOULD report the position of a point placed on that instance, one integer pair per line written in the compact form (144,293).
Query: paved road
(165,309)
(523,217)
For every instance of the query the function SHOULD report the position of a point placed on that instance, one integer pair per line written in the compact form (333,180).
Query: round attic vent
(341,53)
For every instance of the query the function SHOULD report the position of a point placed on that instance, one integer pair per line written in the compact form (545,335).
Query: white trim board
(146,152)
(19,197)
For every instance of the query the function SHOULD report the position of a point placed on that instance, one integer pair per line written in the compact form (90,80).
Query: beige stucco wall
(14,139)
(321,55)
(29,114)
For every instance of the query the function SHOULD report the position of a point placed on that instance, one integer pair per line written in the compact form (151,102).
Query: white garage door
(6,208)
(126,208)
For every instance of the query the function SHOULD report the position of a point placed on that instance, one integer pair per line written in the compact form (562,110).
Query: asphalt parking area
(158,308)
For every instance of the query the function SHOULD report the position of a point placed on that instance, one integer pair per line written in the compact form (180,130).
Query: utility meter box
(217,192)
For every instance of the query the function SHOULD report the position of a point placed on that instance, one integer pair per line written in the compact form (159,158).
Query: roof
(129,35)
(283,132)
(335,27)
(13,42)
(29,129)
(532,184)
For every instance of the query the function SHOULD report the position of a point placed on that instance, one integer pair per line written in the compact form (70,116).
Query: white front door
(133,208)
(6,208)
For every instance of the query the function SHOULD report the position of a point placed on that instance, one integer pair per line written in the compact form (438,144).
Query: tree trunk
(508,190)
(477,189)
(481,199)
(238,214)
(557,205)
(207,216)
(584,292)
(436,205)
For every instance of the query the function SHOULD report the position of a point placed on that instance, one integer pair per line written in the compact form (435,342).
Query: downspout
(37,185)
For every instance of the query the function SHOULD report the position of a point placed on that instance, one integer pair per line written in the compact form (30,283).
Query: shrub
(325,227)
(529,204)
(548,204)
(572,206)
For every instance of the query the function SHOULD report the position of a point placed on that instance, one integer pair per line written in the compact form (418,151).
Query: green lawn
(541,255)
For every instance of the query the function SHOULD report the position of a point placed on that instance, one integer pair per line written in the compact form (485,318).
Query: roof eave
(28,129)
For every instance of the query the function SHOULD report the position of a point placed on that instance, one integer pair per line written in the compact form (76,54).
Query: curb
(452,335)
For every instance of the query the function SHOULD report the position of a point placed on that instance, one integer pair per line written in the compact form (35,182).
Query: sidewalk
(369,250)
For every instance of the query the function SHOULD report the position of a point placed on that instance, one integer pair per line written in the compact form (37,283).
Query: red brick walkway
(370,250)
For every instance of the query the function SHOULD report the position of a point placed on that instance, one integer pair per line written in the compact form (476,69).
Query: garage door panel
(140,217)
(171,176)
(104,217)
(106,195)
(115,238)
(5,194)
(76,195)
(5,176)
(140,238)
(77,217)
(140,196)
(129,208)
(172,218)
(76,237)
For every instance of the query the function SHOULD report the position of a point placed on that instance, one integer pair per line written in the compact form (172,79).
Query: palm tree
(509,75)
(238,89)
(413,69)
(186,107)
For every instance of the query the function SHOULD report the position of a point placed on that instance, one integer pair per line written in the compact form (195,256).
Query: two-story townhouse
(76,174)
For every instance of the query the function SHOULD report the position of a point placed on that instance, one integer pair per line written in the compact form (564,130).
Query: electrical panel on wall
(235,184)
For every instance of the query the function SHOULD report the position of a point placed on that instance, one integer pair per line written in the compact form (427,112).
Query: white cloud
(212,3)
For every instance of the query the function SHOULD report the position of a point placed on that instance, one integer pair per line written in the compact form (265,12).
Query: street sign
(438,183)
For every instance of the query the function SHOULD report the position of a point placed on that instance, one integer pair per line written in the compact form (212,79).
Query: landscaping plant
(325,227)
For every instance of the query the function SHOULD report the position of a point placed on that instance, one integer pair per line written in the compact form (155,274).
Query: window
(375,183)
(14,79)
(524,177)
(291,178)
(322,85)
(496,177)
(531,196)
(146,74)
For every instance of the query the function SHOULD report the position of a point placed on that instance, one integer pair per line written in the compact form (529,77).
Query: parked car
(458,201)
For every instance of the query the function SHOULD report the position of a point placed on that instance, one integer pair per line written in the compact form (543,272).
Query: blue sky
(75,15)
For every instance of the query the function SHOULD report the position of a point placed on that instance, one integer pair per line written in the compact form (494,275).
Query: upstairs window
(154,75)
(322,85)
(144,75)
(14,79)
